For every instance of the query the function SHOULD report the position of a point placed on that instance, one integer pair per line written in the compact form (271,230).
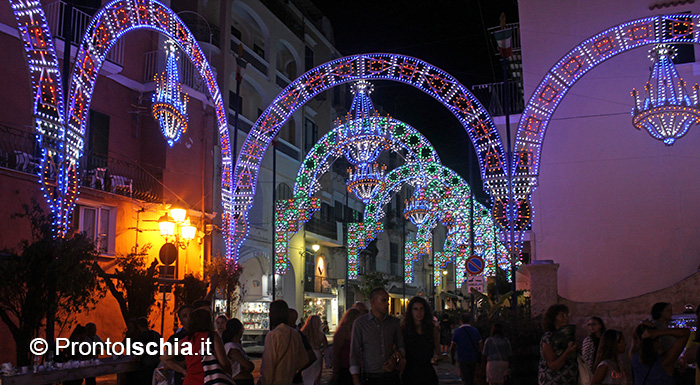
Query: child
(609,370)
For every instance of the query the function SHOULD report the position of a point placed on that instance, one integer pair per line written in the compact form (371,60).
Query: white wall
(617,209)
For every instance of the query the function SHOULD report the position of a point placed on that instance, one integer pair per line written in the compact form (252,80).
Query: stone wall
(622,314)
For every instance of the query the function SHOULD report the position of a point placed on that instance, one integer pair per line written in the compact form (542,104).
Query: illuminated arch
(417,73)
(290,214)
(449,191)
(64,146)
(572,66)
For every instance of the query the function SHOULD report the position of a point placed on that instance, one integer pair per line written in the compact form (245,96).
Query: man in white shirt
(284,352)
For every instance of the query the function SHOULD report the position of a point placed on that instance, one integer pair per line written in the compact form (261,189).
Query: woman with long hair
(609,369)
(341,348)
(589,347)
(199,329)
(498,351)
(313,330)
(651,363)
(558,365)
(420,336)
(241,365)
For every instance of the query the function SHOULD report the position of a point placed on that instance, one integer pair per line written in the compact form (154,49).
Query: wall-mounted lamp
(176,228)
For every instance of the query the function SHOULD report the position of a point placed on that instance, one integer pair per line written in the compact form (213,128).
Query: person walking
(376,347)
(284,352)
(651,364)
(313,330)
(589,347)
(497,351)
(241,365)
(420,337)
(200,328)
(292,322)
(466,342)
(445,333)
(341,348)
(558,364)
(609,369)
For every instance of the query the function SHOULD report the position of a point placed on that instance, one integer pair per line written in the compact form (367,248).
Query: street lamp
(176,228)
(240,68)
(315,247)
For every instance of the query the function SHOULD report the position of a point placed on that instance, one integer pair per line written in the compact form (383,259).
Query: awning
(310,294)
(397,292)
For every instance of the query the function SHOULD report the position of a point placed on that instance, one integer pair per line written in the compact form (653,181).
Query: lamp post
(241,64)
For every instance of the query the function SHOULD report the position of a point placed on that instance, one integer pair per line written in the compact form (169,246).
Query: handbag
(584,372)
(213,373)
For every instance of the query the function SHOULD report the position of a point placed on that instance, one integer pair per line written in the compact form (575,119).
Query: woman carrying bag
(497,351)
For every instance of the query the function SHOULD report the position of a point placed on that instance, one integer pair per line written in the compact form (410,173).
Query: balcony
(154,62)
(318,284)
(122,177)
(79,22)
(251,57)
(515,42)
(19,150)
(491,96)
(325,228)
(200,29)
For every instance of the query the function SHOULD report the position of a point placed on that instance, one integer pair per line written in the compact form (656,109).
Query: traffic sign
(475,265)
(476,282)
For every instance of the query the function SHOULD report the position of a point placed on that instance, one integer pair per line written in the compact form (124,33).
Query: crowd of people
(658,355)
(370,347)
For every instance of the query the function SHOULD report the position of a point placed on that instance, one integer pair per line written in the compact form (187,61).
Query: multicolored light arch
(62,137)
(417,73)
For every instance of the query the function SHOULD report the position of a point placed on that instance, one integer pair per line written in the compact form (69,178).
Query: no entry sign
(475,265)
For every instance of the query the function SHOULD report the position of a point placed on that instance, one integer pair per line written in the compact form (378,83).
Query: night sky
(449,34)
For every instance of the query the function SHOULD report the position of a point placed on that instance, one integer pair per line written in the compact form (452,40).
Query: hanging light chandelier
(366,138)
(169,102)
(364,179)
(417,207)
(666,111)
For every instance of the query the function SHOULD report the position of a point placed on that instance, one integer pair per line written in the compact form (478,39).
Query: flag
(504,39)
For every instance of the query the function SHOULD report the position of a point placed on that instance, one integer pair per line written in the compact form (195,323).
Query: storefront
(323,305)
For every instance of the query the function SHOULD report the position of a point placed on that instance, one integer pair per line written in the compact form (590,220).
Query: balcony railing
(154,62)
(328,229)
(19,150)
(124,178)
(79,22)
(200,29)
(491,96)
(282,80)
(318,284)
(251,57)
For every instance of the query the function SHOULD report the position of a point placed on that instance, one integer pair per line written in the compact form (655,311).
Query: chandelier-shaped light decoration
(364,179)
(169,102)
(417,208)
(369,138)
(666,111)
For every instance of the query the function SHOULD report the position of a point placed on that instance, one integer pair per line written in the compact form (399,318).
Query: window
(308,58)
(98,223)
(232,102)
(686,53)
(310,134)
(260,51)
(283,191)
(326,212)
(98,140)
(394,258)
(235,32)
(339,208)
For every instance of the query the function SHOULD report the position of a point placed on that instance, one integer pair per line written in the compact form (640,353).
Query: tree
(45,275)
(372,280)
(136,285)
(191,289)
(225,277)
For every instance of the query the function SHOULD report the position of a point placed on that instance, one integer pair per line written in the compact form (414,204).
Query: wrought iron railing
(80,20)
(19,150)
(515,42)
(325,228)
(124,177)
(491,96)
(318,284)
(154,62)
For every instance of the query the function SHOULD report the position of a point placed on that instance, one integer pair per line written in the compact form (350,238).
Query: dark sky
(449,34)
